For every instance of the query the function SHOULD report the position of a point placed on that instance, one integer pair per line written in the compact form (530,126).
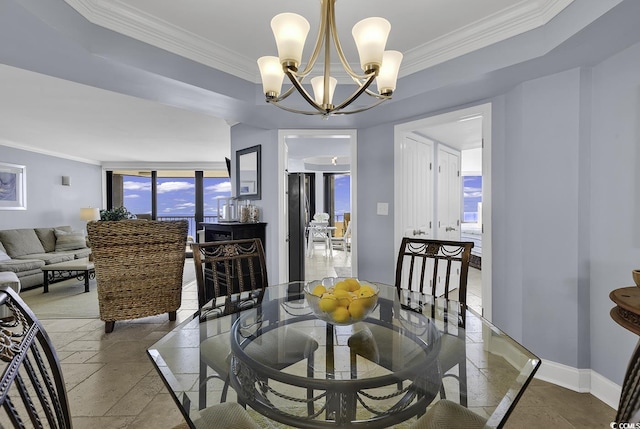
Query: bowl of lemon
(341,301)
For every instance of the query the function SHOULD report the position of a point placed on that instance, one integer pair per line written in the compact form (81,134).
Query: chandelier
(290,31)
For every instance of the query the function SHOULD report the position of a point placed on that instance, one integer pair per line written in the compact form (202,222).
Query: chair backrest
(139,266)
(32,389)
(224,268)
(428,266)
(321,217)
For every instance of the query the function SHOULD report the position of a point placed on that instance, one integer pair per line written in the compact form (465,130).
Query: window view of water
(472,197)
(175,197)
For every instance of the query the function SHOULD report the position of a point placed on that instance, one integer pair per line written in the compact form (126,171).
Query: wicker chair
(32,389)
(139,267)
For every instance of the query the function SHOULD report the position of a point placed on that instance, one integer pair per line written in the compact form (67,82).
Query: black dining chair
(429,267)
(231,277)
(32,389)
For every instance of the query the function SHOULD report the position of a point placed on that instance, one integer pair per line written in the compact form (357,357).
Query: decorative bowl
(341,300)
(636,276)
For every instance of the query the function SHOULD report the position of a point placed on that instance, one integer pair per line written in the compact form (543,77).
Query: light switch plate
(383,209)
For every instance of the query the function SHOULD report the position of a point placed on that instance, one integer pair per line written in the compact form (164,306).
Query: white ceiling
(60,117)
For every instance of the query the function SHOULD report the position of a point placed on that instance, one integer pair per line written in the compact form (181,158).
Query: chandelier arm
(303,92)
(283,95)
(336,42)
(362,109)
(357,93)
(376,95)
(318,45)
(292,110)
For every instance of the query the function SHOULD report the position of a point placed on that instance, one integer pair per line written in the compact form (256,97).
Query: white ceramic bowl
(340,300)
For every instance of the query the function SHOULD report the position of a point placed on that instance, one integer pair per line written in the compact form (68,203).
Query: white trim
(47,152)
(132,22)
(115,15)
(580,380)
(127,165)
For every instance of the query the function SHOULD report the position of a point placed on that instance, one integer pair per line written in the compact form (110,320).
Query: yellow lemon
(328,304)
(368,288)
(354,284)
(357,309)
(319,290)
(365,292)
(340,315)
(342,285)
(343,297)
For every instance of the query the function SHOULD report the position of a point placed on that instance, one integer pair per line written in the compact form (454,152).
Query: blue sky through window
(472,196)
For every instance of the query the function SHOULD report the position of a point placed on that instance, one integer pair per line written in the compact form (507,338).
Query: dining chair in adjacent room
(426,266)
(231,277)
(139,267)
(344,242)
(32,389)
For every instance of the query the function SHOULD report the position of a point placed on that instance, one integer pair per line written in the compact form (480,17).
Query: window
(472,199)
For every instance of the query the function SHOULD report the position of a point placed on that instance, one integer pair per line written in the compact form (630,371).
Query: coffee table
(82,269)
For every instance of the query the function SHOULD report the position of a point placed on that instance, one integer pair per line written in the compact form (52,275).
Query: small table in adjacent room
(82,269)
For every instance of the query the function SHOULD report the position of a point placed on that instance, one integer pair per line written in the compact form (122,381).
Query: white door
(416,193)
(417,187)
(449,194)
(449,209)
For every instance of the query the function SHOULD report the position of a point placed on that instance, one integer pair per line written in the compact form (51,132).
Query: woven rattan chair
(32,389)
(232,276)
(139,267)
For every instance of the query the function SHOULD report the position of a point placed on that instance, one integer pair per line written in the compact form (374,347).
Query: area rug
(68,300)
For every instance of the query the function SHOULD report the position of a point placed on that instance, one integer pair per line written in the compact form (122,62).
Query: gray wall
(244,136)
(566,204)
(48,202)
(615,203)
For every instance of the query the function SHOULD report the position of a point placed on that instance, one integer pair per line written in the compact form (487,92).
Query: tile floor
(112,384)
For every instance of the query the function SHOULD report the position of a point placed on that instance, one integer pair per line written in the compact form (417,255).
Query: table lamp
(89,213)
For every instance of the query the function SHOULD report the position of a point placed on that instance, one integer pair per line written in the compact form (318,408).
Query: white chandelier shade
(370,36)
(290,31)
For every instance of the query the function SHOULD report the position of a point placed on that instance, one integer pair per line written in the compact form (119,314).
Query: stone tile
(537,417)
(137,399)
(103,389)
(110,422)
(75,374)
(161,412)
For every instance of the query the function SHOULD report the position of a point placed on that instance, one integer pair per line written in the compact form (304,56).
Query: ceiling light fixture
(334,160)
(290,31)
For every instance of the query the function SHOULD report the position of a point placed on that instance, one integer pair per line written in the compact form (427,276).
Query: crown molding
(132,22)
(517,19)
(523,16)
(28,148)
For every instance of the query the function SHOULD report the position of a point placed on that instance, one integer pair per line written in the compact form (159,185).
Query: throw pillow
(69,240)
(4,256)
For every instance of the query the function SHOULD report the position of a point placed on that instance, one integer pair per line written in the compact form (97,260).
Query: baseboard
(580,380)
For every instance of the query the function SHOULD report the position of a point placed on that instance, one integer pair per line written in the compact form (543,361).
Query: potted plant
(118,213)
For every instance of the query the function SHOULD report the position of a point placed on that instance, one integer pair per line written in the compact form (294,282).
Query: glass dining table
(291,369)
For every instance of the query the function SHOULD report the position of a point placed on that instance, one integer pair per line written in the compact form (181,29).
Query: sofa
(25,251)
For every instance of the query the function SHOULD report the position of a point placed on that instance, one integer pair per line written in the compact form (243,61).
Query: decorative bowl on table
(340,300)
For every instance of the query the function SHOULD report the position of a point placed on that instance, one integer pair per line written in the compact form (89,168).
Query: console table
(222,231)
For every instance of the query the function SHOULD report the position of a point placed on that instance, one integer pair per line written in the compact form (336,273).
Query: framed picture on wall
(13,187)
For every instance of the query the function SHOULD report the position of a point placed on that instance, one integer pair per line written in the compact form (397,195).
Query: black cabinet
(235,231)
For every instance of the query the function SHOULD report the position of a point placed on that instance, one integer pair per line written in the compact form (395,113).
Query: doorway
(309,151)
(466,130)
